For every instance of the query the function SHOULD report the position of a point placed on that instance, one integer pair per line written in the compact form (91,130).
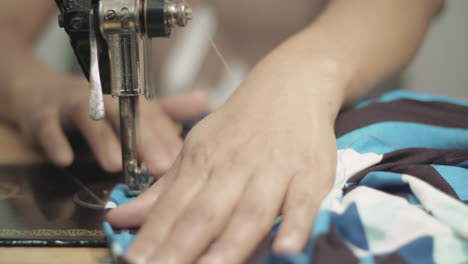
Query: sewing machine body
(111,40)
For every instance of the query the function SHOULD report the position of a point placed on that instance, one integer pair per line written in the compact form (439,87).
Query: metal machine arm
(111,40)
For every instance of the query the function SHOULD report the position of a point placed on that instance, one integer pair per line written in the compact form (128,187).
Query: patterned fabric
(401,187)
(118,240)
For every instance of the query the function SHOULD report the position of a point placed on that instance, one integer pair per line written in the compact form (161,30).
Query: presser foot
(140,180)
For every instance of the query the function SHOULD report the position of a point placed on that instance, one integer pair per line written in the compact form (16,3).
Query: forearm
(374,38)
(352,45)
(20,27)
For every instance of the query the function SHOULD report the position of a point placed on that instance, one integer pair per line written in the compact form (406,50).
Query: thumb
(185,106)
(132,215)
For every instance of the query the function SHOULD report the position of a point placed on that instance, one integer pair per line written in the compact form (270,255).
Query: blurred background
(441,67)
(442,64)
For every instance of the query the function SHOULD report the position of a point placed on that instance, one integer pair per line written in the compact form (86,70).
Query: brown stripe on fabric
(330,248)
(404,110)
(416,162)
(393,258)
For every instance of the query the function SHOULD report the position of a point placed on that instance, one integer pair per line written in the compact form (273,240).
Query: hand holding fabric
(264,153)
(49,104)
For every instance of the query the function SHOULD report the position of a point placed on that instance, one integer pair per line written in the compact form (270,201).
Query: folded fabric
(401,187)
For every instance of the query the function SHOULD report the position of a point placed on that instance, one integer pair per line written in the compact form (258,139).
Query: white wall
(442,65)
(54,47)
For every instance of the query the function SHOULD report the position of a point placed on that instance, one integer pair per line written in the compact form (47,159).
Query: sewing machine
(111,40)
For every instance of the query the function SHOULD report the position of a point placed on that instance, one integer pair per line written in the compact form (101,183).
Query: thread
(99,202)
(216,49)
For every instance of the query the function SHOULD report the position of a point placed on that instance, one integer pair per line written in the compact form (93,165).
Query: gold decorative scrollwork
(16,233)
(8,191)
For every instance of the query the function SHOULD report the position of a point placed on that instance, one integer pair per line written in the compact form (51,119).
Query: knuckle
(308,165)
(78,109)
(234,242)
(44,123)
(308,161)
(201,215)
(43,128)
(239,157)
(303,199)
(200,152)
(254,213)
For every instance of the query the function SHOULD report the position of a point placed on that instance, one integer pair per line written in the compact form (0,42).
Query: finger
(185,106)
(158,145)
(131,215)
(169,132)
(102,140)
(53,140)
(158,137)
(113,114)
(152,143)
(299,211)
(203,219)
(164,213)
(251,221)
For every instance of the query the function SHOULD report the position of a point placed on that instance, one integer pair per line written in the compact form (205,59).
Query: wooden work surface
(14,151)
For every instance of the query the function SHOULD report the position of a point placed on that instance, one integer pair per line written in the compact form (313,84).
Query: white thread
(215,48)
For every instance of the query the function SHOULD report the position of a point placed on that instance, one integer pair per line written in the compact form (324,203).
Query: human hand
(49,104)
(264,153)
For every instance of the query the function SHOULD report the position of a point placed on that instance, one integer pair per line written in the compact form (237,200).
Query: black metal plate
(38,205)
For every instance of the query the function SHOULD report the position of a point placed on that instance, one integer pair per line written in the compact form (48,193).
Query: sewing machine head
(111,40)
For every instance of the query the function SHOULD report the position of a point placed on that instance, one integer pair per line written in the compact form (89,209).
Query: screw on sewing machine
(76,22)
(178,14)
(110,15)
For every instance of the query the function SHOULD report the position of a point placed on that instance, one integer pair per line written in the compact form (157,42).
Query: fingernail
(212,258)
(288,245)
(135,260)
(140,255)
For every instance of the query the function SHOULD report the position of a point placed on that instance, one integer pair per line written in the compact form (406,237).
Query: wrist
(315,86)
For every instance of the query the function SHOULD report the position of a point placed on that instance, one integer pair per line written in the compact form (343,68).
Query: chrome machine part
(127,105)
(150,90)
(177,14)
(120,27)
(126,27)
(96,98)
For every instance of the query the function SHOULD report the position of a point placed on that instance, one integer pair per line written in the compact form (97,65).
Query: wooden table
(54,256)
(13,150)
